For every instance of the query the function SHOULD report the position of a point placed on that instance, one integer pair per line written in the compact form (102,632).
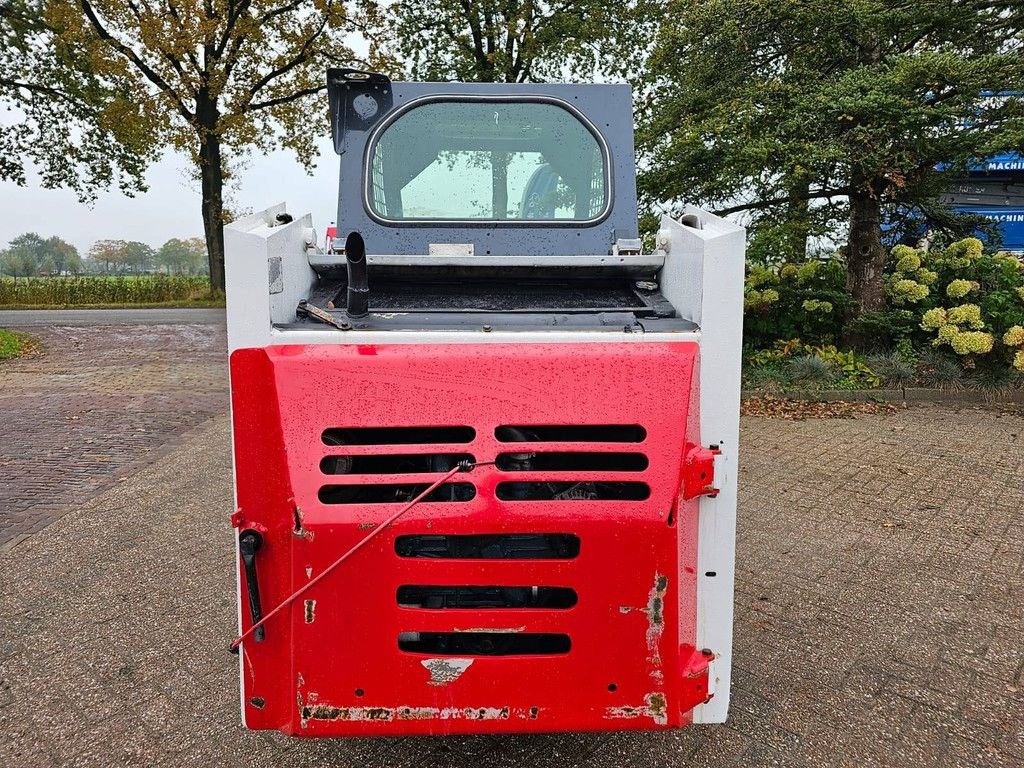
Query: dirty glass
(487,160)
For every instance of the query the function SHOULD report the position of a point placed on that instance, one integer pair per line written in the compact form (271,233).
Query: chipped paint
(324,712)
(300,531)
(310,611)
(447,670)
(309,571)
(301,681)
(492,630)
(655,706)
(656,618)
(367,526)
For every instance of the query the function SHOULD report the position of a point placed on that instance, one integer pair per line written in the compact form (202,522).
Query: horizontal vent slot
(392,464)
(601,491)
(434,597)
(484,643)
(572,462)
(572,433)
(503,546)
(397,435)
(394,493)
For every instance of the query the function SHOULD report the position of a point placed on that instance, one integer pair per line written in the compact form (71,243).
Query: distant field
(101,290)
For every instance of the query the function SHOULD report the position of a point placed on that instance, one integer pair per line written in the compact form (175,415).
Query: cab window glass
(487,160)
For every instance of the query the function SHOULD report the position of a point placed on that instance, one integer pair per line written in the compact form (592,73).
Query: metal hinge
(699,472)
(696,686)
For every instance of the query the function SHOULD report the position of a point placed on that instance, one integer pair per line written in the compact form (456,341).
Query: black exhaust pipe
(358,300)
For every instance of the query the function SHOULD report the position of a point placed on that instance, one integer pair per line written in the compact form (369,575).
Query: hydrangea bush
(959,303)
(976,305)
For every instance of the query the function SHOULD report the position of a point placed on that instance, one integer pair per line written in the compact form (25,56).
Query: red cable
(363,542)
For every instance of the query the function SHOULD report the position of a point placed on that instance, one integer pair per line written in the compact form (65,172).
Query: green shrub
(808,301)
(977,302)
(884,330)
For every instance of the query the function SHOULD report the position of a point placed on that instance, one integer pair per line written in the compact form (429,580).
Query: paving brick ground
(879,615)
(95,405)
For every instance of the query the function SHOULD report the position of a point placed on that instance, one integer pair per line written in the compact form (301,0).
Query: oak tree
(74,127)
(216,78)
(510,41)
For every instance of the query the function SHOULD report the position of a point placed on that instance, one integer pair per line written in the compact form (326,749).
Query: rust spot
(310,611)
(655,707)
(367,526)
(326,712)
(416,713)
(444,671)
(534,711)
(258,701)
(299,531)
(656,619)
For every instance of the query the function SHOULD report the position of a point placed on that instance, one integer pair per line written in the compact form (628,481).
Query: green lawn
(11,344)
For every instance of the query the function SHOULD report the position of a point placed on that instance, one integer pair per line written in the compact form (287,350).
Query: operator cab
(481,204)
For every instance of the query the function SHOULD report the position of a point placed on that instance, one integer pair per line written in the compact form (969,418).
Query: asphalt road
(25,318)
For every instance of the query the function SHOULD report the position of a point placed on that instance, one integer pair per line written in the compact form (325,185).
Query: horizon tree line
(31,255)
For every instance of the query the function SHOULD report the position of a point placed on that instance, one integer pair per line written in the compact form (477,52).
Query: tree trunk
(212,174)
(865,253)
(798,224)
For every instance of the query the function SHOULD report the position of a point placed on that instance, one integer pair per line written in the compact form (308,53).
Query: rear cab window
(520,160)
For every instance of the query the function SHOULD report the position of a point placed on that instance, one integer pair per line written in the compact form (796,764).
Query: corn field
(82,291)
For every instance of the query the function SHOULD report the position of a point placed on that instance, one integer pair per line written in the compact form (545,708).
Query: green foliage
(215,79)
(11,344)
(85,291)
(883,330)
(815,365)
(29,254)
(69,131)
(976,307)
(182,256)
(807,301)
(762,105)
(509,42)
(967,319)
(809,370)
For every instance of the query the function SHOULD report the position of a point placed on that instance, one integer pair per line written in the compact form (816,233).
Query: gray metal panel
(608,107)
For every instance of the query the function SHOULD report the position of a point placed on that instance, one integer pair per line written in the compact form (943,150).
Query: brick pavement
(96,404)
(879,616)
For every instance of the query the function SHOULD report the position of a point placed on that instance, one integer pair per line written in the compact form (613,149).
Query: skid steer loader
(485,442)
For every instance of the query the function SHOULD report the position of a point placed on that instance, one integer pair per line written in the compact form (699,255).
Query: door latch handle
(249,543)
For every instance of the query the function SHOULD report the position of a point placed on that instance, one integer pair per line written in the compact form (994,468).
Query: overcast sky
(171,207)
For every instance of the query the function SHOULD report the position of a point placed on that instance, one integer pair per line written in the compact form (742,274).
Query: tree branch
(135,59)
(762,204)
(285,99)
(300,58)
